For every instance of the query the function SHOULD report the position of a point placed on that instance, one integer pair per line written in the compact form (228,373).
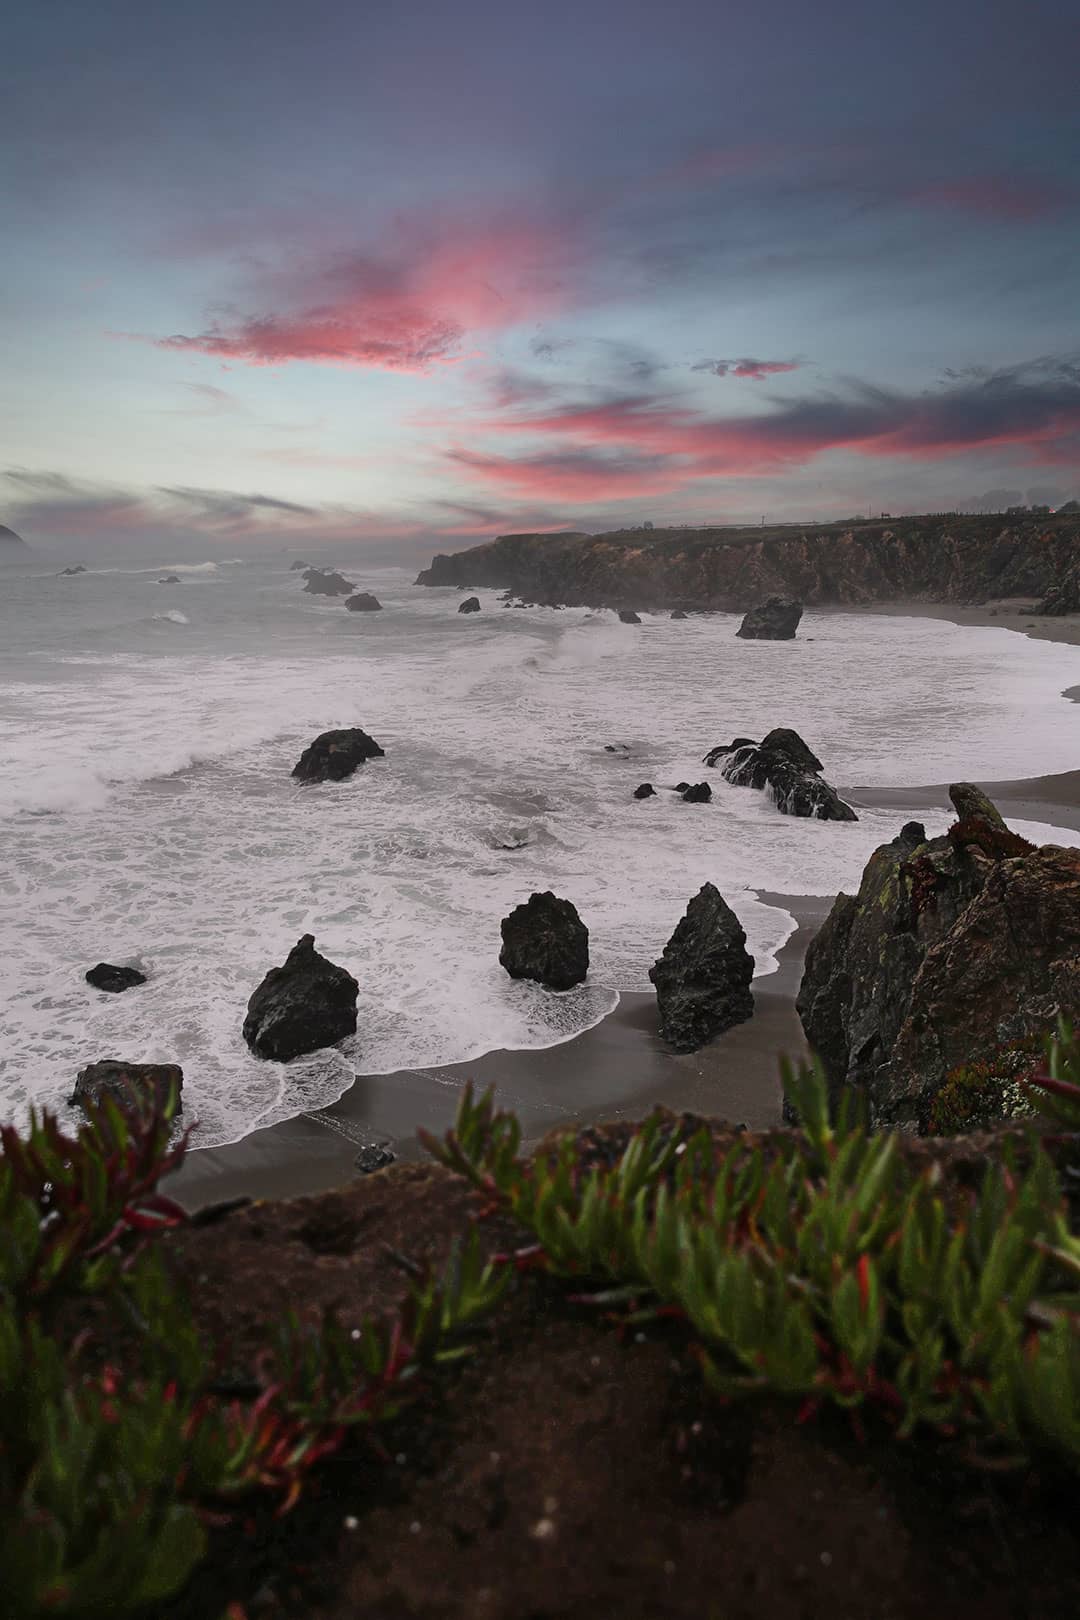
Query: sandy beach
(619,1068)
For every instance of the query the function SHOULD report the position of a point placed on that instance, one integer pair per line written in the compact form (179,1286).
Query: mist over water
(147,734)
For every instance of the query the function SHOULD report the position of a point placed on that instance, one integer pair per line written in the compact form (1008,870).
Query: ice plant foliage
(110,1473)
(825,1265)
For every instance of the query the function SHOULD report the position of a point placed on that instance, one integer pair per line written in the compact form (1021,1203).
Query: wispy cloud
(756,370)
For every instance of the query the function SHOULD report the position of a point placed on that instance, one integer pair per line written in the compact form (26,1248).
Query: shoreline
(619,1068)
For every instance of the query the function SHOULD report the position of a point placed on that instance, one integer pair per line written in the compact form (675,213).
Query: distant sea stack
(930,559)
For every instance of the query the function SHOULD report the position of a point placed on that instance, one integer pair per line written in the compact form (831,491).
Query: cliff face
(944,559)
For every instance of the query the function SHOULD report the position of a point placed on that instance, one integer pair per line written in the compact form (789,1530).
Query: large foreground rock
(325,582)
(334,755)
(301,1007)
(703,978)
(130,1084)
(953,948)
(545,940)
(775,620)
(784,764)
(364,602)
(106,976)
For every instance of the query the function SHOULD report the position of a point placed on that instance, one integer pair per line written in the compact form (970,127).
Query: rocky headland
(936,558)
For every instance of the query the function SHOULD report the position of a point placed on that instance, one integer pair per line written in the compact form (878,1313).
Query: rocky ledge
(784,764)
(942,559)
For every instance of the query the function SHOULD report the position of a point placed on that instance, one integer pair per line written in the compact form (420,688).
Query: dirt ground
(572,1468)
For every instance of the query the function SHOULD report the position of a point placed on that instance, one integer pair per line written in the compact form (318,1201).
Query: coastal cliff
(942,559)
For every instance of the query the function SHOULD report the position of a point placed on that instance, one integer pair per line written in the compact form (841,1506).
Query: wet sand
(620,1068)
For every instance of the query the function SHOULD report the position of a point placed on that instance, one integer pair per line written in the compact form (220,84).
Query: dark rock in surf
(789,769)
(303,1006)
(681,787)
(169,579)
(545,940)
(715,755)
(364,602)
(299,565)
(334,755)
(325,582)
(107,977)
(68,572)
(703,978)
(132,1085)
(628,616)
(471,604)
(645,791)
(777,619)
(678,613)
(699,793)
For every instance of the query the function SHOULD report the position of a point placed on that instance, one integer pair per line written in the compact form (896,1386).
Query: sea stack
(303,1006)
(703,978)
(545,940)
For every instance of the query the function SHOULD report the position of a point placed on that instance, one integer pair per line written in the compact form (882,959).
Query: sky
(406,276)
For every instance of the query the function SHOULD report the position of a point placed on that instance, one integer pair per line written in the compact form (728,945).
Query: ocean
(148,815)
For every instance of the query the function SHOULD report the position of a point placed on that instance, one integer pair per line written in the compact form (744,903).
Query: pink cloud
(754,369)
(407,310)
(998,197)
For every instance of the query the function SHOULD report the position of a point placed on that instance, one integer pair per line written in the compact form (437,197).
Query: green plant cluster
(984,1092)
(824,1265)
(119,1446)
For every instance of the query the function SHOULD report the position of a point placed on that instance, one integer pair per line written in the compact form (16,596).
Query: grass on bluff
(827,1266)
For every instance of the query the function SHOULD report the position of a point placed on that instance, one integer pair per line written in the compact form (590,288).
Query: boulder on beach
(697,793)
(306,1004)
(169,579)
(471,604)
(138,1085)
(364,602)
(955,952)
(785,765)
(628,616)
(545,940)
(703,978)
(334,755)
(325,582)
(104,976)
(776,619)
(374,1156)
(645,791)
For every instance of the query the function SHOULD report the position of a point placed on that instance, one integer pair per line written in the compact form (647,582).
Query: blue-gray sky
(409,274)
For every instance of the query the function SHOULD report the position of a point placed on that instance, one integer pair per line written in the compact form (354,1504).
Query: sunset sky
(408,275)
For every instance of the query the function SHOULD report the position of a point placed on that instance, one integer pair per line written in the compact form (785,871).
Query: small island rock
(364,602)
(545,940)
(302,1006)
(628,616)
(645,791)
(104,976)
(325,582)
(703,978)
(334,755)
(130,1084)
(471,604)
(775,620)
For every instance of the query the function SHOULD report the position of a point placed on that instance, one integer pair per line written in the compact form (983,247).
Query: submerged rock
(471,604)
(306,1004)
(169,579)
(678,613)
(698,793)
(334,755)
(628,616)
(645,791)
(545,940)
(364,602)
(130,1084)
(703,978)
(953,948)
(325,582)
(107,977)
(777,619)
